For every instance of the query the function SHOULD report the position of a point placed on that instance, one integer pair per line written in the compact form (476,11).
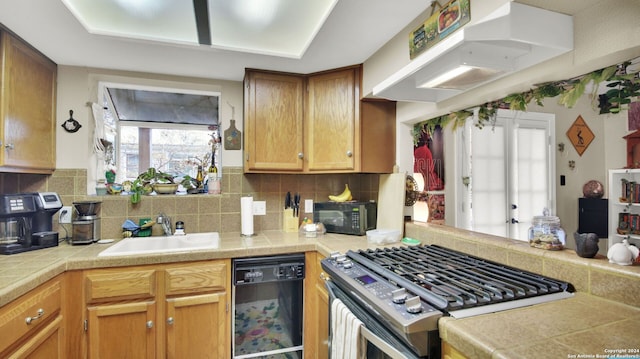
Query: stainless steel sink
(148,245)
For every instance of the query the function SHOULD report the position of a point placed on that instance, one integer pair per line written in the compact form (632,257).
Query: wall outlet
(65,214)
(259,208)
(308,206)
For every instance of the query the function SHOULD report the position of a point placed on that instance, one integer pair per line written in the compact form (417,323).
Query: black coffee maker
(26,221)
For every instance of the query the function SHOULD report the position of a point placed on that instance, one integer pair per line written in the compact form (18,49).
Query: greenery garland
(624,89)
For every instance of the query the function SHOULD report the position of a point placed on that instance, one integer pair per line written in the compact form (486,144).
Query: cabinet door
(273,127)
(197,327)
(27,108)
(122,331)
(45,344)
(316,310)
(333,121)
(322,311)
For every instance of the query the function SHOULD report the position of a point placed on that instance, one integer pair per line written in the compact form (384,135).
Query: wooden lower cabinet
(316,319)
(449,352)
(32,325)
(163,311)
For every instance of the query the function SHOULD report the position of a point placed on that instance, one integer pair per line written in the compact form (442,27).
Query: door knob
(170,320)
(150,324)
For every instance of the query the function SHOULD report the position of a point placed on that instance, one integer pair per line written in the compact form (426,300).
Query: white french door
(507,173)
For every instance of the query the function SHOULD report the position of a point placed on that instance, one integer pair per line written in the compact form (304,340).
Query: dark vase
(586,244)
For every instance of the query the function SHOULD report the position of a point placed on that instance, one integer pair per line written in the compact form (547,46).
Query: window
(171,130)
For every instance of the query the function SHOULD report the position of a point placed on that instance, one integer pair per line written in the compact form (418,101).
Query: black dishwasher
(267,304)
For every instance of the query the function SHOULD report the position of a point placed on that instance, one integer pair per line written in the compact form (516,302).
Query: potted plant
(154,180)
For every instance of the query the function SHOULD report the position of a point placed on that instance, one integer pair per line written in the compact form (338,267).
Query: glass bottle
(200,176)
(212,167)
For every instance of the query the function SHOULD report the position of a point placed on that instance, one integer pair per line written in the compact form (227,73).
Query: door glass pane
(488,181)
(532,180)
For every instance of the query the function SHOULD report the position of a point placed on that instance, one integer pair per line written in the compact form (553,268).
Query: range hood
(511,38)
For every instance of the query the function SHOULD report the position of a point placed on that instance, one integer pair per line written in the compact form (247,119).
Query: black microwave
(346,217)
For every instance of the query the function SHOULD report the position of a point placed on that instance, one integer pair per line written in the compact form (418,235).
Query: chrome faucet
(165,222)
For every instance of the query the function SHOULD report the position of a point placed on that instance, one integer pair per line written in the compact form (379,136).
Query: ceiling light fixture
(453,73)
(257,13)
(143,8)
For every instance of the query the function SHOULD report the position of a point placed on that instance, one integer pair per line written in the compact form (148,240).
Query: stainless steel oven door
(380,343)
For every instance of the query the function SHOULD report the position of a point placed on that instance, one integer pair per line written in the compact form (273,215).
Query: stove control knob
(413,304)
(399,296)
(341,258)
(347,264)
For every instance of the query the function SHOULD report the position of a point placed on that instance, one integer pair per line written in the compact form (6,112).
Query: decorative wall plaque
(580,135)
(441,24)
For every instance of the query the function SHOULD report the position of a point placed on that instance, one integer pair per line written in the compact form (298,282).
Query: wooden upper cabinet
(332,120)
(273,121)
(27,108)
(316,123)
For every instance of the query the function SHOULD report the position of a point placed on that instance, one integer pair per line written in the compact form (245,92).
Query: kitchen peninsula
(603,315)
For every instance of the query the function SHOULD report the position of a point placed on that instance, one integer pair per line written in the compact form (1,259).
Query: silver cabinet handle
(9,146)
(349,153)
(39,314)
(150,324)
(324,276)
(300,155)
(170,320)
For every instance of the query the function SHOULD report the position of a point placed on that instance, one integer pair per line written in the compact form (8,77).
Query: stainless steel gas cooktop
(410,288)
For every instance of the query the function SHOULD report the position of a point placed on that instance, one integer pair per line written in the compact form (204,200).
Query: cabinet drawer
(111,284)
(40,305)
(193,278)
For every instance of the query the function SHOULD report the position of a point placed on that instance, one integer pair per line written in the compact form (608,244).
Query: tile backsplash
(200,213)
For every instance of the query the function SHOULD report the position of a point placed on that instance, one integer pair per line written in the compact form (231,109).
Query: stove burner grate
(462,280)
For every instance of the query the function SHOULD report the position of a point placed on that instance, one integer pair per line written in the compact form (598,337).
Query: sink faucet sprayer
(165,222)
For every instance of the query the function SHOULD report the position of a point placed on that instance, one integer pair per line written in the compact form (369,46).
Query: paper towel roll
(246,215)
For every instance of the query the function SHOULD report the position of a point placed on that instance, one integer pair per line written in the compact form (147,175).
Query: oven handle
(378,342)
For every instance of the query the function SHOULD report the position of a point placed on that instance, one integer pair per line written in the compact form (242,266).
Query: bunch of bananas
(344,196)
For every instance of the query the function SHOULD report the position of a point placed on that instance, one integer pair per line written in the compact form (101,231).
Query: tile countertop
(586,325)
(19,273)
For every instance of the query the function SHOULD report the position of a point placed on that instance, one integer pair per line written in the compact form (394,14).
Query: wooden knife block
(289,222)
